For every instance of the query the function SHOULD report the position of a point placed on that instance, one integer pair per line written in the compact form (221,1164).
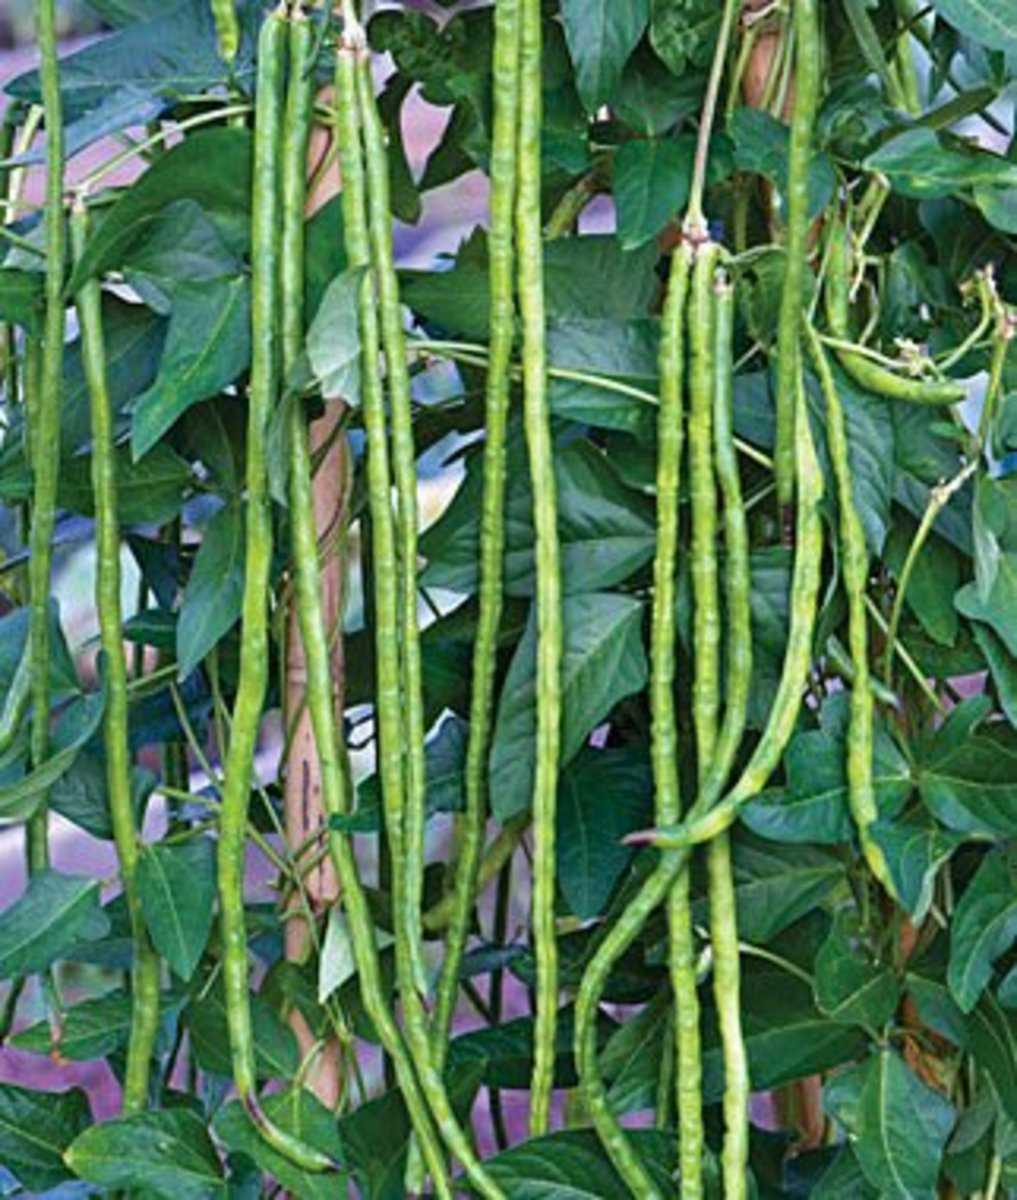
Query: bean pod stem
(145,969)
(45,421)
(537,427)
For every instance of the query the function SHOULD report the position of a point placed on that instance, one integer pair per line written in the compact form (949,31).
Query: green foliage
(899,992)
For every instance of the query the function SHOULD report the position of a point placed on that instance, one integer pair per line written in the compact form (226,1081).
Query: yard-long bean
(145,969)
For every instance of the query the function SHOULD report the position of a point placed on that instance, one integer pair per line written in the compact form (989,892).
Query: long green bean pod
(354,117)
(807,68)
(227,29)
(405,476)
(723,905)
(296,131)
(664,742)
(705,822)
(855,572)
(45,434)
(492,534)
(545,519)
(145,970)
(254,655)
(863,370)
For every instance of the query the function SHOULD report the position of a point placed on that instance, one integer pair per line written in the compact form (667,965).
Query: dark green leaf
(207,346)
(984,926)
(506,1052)
(915,848)
(604,661)
(776,885)
(987,21)
(850,987)
(35,1130)
(651,185)
(683,32)
(920,165)
(55,912)
(601,36)
(167,1153)
(992,1039)
(214,593)
(602,796)
(276,1053)
(177,889)
(89,1030)
(21,298)
(761,146)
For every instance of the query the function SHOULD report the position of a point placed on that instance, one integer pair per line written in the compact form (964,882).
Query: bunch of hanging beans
(695,434)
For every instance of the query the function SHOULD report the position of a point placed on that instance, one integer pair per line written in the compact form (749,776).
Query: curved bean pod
(855,571)
(227,29)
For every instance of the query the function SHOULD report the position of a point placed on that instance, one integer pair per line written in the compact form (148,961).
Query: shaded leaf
(35,1129)
(214,594)
(176,885)
(55,912)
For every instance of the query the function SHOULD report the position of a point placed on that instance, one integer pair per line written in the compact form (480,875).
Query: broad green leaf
(898,1125)
(333,340)
(935,577)
(683,32)
(275,1047)
(214,593)
(1002,665)
(54,913)
(207,346)
(572,1165)
(775,885)
(650,100)
(937,1008)
(987,21)
(918,164)
(813,807)
(506,1052)
(150,492)
(35,1129)
(211,167)
(166,1153)
(992,1040)
(998,207)
(915,848)
(984,926)
(604,660)
(90,1030)
(602,796)
(63,679)
(601,35)
(843,1180)
(850,987)
(182,248)
(786,1036)
(177,889)
(651,185)
(761,146)
(971,785)
(606,531)
(296,1112)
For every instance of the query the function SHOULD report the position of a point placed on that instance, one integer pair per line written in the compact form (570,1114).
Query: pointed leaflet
(601,35)
(35,1130)
(651,185)
(984,927)
(55,912)
(167,1153)
(212,598)
(177,889)
(604,661)
(849,986)
(333,340)
(207,346)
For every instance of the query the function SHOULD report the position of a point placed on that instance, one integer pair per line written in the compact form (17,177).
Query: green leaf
(214,594)
(207,346)
(984,926)
(35,1130)
(211,167)
(572,1165)
(506,1052)
(297,1112)
(333,340)
(987,21)
(167,1153)
(786,1036)
(275,1047)
(21,298)
(631,1059)
(850,987)
(63,679)
(843,1180)
(970,784)
(776,885)
(918,164)
(601,35)
(54,913)
(915,848)
(338,961)
(602,796)
(897,1124)
(150,492)
(651,185)
(937,1008)
(992,1040)
(934,578)
(684,32)
(606,531)
(90,1030)
(177,889)
(604,660)
(761,146)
